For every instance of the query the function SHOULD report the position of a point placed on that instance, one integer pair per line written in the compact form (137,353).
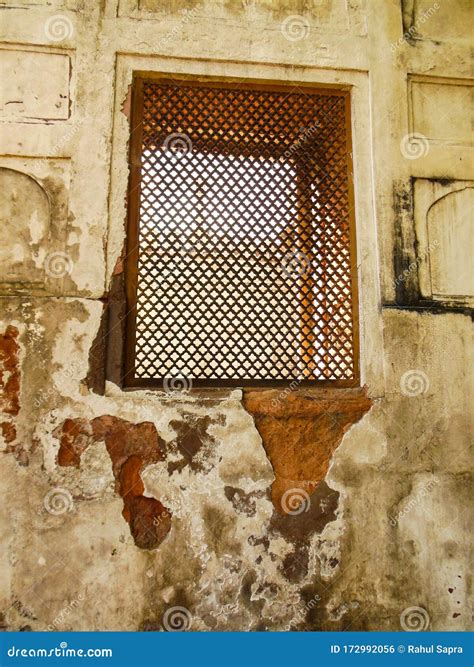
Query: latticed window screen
(240,255)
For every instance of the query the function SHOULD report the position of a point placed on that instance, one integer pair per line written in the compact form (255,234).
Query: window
(241,259)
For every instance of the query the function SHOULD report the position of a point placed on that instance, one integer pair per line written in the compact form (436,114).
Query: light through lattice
(242,267)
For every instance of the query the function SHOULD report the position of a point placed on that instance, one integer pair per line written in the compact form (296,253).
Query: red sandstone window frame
(131,277)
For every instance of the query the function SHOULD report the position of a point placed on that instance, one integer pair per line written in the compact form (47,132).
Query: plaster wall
(215,511)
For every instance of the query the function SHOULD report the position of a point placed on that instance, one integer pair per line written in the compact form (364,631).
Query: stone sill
(300,431)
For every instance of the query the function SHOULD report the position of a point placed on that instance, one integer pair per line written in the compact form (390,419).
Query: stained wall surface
(318,509)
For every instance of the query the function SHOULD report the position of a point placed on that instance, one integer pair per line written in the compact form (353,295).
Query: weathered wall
(149,510)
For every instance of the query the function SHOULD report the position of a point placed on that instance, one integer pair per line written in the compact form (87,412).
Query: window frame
(128,380)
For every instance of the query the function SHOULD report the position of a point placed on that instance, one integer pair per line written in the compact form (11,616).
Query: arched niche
(25,223)
(450,230)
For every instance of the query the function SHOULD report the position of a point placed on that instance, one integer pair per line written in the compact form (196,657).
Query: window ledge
(300,431)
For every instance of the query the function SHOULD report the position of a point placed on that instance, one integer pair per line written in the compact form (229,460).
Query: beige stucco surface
(389,530)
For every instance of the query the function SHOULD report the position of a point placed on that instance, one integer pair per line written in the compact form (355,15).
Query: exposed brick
(131,448)
(75,437)
(9,372)
(8,432)
(10,391)
(300,433)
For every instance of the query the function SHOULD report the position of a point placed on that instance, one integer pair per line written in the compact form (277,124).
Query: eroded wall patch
(300,433)
(131,448)
(9,385)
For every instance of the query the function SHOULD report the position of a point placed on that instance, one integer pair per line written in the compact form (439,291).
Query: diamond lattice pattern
(244,269)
